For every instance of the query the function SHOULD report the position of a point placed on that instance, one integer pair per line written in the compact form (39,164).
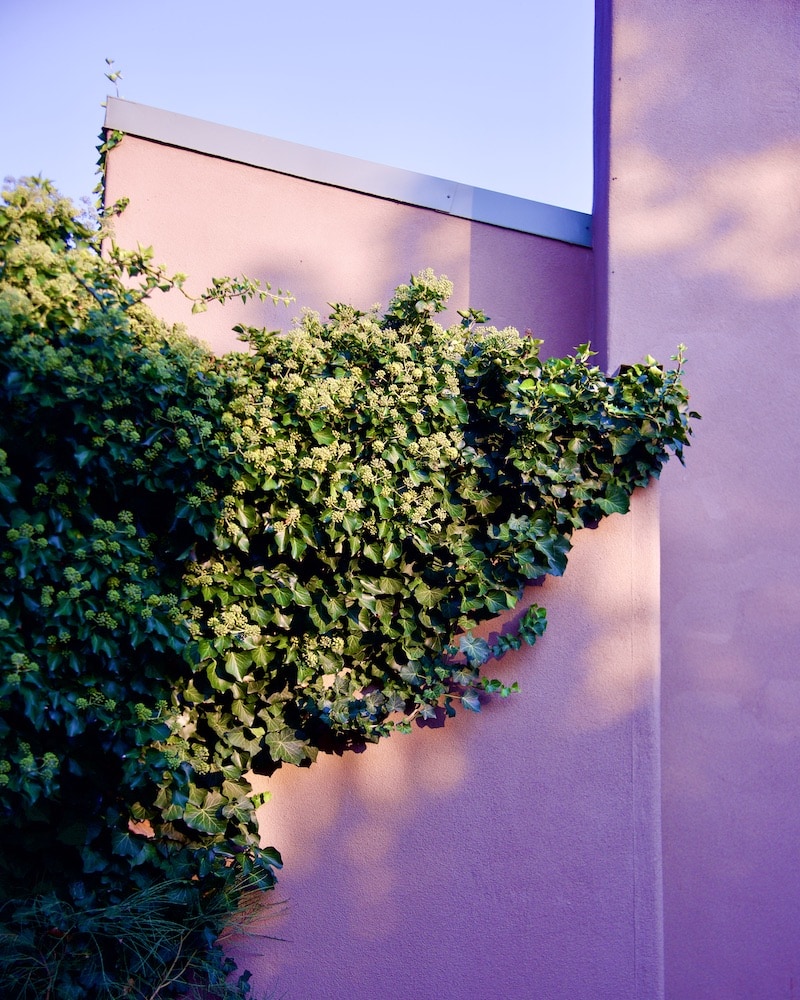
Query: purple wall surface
(697,240)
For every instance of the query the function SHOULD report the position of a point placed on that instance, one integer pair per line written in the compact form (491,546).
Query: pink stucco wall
(515,854)
(208,217)
(699,108)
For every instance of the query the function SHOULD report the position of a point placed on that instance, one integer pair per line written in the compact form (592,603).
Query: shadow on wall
(731,218)
(733,213)
(494,854)
(550,295)
(705,247)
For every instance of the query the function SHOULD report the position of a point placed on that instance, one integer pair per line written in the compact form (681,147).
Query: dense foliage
(212,565)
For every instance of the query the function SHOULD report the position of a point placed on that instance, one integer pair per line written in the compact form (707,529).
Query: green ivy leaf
(285,746)
(203,811)
(615,501)
(238,664)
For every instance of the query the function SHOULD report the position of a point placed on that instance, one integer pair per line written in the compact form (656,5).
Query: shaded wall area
(208,217)
(509,854)
(699,168)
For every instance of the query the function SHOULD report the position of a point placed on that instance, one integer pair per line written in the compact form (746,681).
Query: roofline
(349,172)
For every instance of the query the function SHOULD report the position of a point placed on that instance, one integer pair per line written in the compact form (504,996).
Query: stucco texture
(700,110)
(509,854)
(209,217)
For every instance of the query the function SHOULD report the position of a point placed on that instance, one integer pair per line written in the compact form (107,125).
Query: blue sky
(495,94)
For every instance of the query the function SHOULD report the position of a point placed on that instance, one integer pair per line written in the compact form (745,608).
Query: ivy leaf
(300,596)
(486,504)
(621,444)
(533,624)
(238,664)
(496,601)
(556,390)
(373,552)
(260,798)
(615,501)
(475,649)
(249,740)
(297,546)
(555,548)
(203,811)
(135,848)
(284,745)
(394,703)
(217,683)
(391,553)
(243,712)
(428,597)
(471,700)
(335,606)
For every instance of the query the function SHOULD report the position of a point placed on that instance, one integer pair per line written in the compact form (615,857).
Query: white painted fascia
(349,172)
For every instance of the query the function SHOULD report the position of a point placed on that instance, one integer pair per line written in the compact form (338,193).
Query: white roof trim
(477,204)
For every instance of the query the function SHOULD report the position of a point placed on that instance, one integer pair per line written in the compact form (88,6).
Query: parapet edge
(349,172)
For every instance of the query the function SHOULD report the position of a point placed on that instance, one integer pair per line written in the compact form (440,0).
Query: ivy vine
(218,564)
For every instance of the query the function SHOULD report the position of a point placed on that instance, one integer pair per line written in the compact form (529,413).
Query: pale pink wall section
(515,854)
(209,217)
(704,247)
(512,854)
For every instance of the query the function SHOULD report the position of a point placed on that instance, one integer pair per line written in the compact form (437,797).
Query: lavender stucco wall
(699,169)
(514,854)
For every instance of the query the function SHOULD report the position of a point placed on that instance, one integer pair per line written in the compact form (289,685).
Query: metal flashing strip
(349,172)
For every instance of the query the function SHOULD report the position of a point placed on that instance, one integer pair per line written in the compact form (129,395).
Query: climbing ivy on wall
(217,564)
